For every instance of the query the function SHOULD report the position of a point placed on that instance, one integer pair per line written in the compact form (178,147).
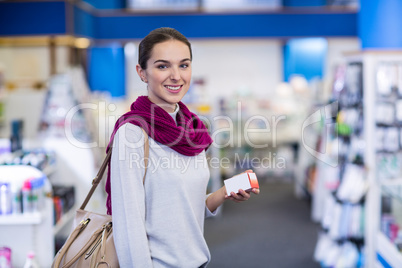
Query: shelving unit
(35,228)
(39,229)
(382,159)
(255,137)
(378,246)
(387,254)
(339,195)
(22,219)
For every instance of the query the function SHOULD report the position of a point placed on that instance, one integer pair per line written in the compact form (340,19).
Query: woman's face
(168,73)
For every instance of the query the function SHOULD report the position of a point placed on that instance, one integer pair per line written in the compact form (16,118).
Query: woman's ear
(141,73)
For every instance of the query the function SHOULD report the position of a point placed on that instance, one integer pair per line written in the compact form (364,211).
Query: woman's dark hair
(157,36)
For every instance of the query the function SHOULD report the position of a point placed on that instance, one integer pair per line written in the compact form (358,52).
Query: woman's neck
(169,108)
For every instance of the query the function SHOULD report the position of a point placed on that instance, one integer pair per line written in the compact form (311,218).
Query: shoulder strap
(102,169)
(146,153)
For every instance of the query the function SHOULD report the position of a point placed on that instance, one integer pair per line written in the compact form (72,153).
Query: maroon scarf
(189,137)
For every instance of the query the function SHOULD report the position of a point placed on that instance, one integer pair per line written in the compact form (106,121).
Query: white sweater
(160,223)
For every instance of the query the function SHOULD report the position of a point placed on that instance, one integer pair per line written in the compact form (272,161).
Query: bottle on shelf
(30,261)
(5,198)
(16,135)
(26,197)
(16,199)
(5,257)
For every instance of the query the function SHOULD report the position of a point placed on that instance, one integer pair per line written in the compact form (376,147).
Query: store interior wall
(227,66)
(238,66)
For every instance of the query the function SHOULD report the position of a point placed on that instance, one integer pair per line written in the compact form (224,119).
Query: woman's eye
(184,65)
(162,66)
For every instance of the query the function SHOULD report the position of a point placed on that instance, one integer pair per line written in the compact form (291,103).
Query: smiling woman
(159,221)
(168,73)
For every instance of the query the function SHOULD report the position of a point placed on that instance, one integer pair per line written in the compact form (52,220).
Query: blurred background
(307,93)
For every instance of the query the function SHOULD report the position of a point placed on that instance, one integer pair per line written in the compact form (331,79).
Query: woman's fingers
(241,195)
(256,191)
(232,198)
(244,195)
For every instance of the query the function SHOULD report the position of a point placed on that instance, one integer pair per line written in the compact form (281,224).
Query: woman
(159,222)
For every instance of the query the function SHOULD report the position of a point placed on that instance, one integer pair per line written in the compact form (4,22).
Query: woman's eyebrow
(165,61)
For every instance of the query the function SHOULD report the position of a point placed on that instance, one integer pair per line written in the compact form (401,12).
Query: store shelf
(392,182)
(65,219)
(22,219)
(387,253)
(392,188)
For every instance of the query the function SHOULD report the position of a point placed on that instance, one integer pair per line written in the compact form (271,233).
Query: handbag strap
(102,169)
(67,244)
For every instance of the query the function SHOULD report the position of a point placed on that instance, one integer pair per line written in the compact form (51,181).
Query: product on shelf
(5,198)
(38,158)
(389,226)
(16,135)
(342,239)
(22,190)
(5,257)
(16,199)
(63,199)
(337,254)
(391,220)
(61,111)
(30,261)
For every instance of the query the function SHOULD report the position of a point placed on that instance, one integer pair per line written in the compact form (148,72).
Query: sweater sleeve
(208,213)
(128,198)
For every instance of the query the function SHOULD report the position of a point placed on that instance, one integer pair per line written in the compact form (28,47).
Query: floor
(272,229)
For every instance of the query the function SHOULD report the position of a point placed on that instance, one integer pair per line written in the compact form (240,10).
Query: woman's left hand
(241,195)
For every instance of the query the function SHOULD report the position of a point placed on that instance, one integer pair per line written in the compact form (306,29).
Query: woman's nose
(175,74)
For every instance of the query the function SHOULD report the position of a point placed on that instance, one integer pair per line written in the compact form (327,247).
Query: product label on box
(253,180)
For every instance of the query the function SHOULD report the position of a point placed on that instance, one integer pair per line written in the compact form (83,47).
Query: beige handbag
(91,243)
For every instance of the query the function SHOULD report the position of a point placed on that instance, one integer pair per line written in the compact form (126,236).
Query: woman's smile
(173,88)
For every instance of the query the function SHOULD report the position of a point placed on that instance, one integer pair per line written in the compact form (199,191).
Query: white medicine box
(245,181)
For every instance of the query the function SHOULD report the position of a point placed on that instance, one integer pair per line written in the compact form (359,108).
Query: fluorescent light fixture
(82,43)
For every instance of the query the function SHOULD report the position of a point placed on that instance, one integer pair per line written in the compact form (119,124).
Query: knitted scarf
(189,137)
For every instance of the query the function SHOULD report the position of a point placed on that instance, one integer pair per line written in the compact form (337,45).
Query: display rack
(339,198)
(381,152)
(374,79)
(39,230)
(252,135)
(387,254)
(23,219)
(32,229)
